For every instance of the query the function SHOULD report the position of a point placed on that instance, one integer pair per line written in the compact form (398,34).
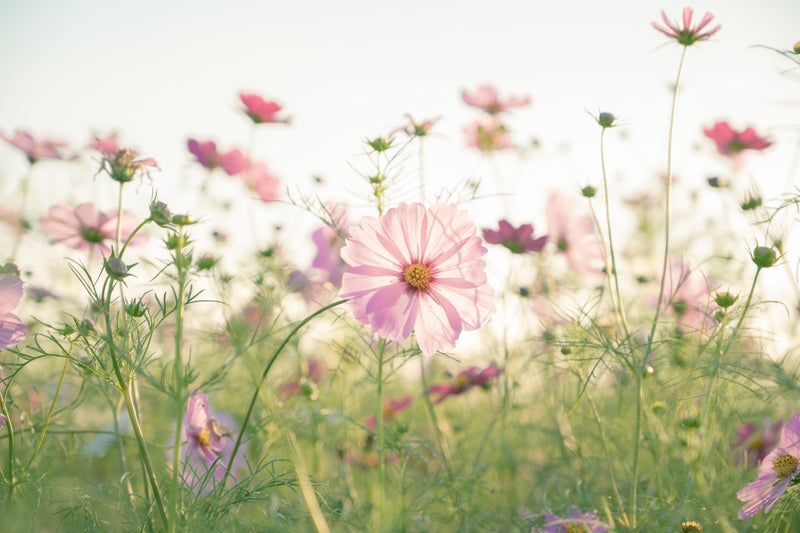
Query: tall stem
(379,428)
(21,226)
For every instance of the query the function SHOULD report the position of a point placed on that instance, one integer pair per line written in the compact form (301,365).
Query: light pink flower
(106,145)
(686,34)
(259,179)
(778,469)
(122,165)
(206,437)
(329,245)
(12,330)
(487,136)
(391,408)
(419,269)
(687,297)
(232,162)
(466,380)
(518,240)
(261,111)
(86,228)
(731,142)
(35,149)
(486,98)
(756,442)
(573,234)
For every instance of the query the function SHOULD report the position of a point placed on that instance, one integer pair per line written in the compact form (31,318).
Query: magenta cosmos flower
(466,380)
(686,34)
(206,437)
(519,240)
(232,162)
(731,142)
(574,521)
(487,136)
(486,98)
(85,227)
(12,330)
(419,269)
(35,149)
(573,235)
(261,111)
(755,442)
(779,468)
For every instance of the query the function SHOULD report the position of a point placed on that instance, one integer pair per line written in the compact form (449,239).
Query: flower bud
(588,191)
(606,120)
(717,182)
(751,202)
(379,144)
(797,47)
(116,268)
(160,213)
(725,299)
(764,256)
(135,308)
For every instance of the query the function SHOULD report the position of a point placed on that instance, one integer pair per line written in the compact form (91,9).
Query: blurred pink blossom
(732,143)
(518,240)
(208,440)
(486,98)
(35,149)
(573,234)
(487,136)
(756,442)
(329,244)
(105,145)
(12,330)
(686,34)
(687,297)
(391,408)
(259,179)
(470,378)
(306,381)
(86,228)
(232,162)
(262,111)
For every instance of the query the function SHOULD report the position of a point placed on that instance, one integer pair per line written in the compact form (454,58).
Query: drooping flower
(391,408)
(486,98)
(262,111)
(259,179)
(687,297)
(574,521)
(35,149)
(573,234)
(487,136)
(755,442)
(518,240)
(86,228)
(731,142)
(418,269)
(207,438)
(686,34)
(12,330)
(232,162)
(778,469)
(466,380)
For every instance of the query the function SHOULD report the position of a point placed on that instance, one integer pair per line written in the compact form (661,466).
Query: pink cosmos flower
(232,162)
(329,245)
(731,142)
(207,438)
(305,382)
(778,469)
(419,269)
(687,297)
(487,136)
(574,520)
(86,228)
(391,408)
(573,235)
(485,97)
(33,148)
(756,442)
(259,179)
(262,111)
(106,145)
(686,34)
(518,240)
(466,380)
(12,330)
(122,166)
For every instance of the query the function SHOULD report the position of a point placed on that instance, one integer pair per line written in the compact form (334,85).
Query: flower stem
(380,429)
(21,226)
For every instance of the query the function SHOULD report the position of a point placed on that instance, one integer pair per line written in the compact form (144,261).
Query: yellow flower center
(418,276)
(784,465)
(576,528)
(202,438)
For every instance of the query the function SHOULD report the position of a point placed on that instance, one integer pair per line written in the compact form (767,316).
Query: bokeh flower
(573,234)
(12,330)
(122,166)
(687,297)
(232,162)
(260,180)
(391,408)
(518,240)
(207,438)
(487,135)
(86,228)
(686,34)
(731,142)
(418,269)
(754,443)
(105,145)
(329,242)
(778,469)
(35,149)
(466,380)
(305,381)
(486,98)
(574,521)
(261,111)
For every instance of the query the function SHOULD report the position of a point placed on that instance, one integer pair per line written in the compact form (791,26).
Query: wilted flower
(391,408)
(122,164)
(756,442)
(261,111)
(486,98)
(35,149)
(12,330)
(574,521)
(419,269)
(573,235)
(85,227)
(487,136)
(778,469)
(731,142)
(232,162)
(686,34)
(466,380)
(517,240)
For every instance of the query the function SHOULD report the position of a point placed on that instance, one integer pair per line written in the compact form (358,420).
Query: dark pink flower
(575,520)
(466,380)
(757,442)
(487,136)
(418,269)
(259,179)
(573,234)
(517,240)
(486,98)
(778,469)
(686,34)
(262,111)
(391,408)
(232,162)
(35,149)
(85,227)
(12,330)
(207,438)
(731,142)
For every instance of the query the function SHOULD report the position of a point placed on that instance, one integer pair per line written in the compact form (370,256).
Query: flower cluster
(489,133)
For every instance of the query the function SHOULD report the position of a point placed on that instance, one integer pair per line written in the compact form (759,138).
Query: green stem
(380,429)
(8,476)
(23,186)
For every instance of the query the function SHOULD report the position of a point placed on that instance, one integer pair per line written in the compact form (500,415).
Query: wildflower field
(399,354)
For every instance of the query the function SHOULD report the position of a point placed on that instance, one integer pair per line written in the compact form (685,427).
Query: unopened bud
(606,120)
(116,268)
(764,256)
